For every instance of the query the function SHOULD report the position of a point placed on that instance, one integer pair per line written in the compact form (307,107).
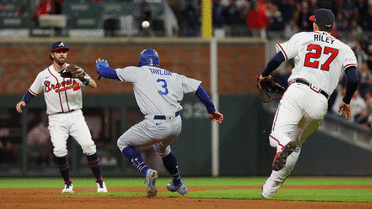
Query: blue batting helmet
(148,57)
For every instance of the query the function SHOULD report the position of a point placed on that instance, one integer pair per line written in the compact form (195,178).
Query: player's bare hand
(20,105)
(345,108)
(216,116)
(99,60)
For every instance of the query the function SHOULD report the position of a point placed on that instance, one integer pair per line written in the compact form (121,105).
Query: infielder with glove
(319,61)
(61,83)
(158,93)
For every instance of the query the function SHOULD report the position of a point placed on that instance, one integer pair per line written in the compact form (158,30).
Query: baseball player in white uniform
(320,59)
(63,98)
(158,93)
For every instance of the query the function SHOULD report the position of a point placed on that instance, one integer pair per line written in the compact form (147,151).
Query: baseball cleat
(281,158)
(180,188)
(151,177)
(101,187)
(69,188)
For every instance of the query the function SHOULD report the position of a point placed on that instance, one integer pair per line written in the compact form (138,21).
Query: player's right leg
(136,136)
(59,136)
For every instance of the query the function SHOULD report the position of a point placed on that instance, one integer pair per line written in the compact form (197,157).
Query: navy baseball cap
(59,45)
(324,18)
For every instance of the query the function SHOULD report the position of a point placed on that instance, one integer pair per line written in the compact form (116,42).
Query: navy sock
(63,167)
(95,166)
(171,164)
(136,159)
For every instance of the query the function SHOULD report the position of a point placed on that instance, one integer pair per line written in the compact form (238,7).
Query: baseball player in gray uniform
(320,59)
(158,93)
(63,98)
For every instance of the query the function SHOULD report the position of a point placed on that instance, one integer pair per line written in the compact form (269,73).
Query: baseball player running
(319,61)
(63,98)
(158,93)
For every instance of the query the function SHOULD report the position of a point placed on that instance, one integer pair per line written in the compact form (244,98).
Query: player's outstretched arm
(216,116)
(104,70)
(345,108)
(20,105)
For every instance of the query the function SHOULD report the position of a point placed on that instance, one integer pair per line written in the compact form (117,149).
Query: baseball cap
(59,45)
(324,18)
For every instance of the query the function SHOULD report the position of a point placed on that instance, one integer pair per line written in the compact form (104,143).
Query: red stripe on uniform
(286,57)
(32,92)
(60,101)
(346,66)
(276,141)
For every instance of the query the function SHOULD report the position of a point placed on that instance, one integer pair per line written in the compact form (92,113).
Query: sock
(171,164)
(135,158)
(95,166)
(63,167)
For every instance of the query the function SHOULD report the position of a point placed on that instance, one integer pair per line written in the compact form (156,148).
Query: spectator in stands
(46,159)
(9,153)
(367,19)
(58,4)
(257,21)
(193,17)
(231,13)
(276,24)
(304,13)
(365,84)
(45,7)
(145,15)
(108,160)
(290,29)
(369,54)
(344,30)
(179,10)
(356,30)
(217,14)
(287,8)
(39,135)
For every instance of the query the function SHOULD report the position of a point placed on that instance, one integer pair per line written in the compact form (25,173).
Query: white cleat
(151,177)
(180,189)
(101,188)
(69,188)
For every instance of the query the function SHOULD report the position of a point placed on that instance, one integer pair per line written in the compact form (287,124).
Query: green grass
(329,195)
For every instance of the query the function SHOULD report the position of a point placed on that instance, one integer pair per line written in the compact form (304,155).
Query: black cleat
(281,158)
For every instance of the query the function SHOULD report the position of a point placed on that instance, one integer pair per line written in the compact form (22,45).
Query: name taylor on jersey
(159,71)
(323,38)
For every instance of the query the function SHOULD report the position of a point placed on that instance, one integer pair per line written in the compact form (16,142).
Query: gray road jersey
(157,91)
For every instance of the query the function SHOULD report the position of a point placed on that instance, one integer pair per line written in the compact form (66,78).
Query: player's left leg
(80,132)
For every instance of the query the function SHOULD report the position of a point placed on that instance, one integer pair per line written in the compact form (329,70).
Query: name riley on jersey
(319,37)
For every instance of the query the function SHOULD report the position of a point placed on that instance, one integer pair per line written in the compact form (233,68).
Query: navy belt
(163,117)
(307,84)
(67,111)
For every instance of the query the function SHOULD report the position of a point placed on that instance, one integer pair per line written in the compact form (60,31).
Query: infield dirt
(51,198)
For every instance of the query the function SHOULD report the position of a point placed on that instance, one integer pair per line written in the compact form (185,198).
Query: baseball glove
(269,89)
(73,71)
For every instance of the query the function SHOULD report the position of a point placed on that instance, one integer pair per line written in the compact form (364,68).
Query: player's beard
(61,60)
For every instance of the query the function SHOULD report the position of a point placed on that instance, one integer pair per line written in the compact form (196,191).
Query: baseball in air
(145,24)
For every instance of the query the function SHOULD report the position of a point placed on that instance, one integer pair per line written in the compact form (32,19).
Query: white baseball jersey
(61,94)
(157,91)
(319,58)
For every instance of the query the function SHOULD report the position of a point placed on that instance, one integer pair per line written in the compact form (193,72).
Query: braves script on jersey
(157,91)
(319,58)
(61,94)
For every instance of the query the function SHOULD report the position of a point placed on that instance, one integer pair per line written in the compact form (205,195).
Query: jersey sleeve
(128,74)
(189,84)
(288,48)
(350,59)
(37,85)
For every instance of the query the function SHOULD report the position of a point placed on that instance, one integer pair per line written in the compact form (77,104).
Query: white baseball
(145,24)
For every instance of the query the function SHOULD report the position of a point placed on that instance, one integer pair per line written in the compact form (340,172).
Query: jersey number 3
(165,86)
(316,55)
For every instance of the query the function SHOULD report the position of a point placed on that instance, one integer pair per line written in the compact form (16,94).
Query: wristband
(85,81)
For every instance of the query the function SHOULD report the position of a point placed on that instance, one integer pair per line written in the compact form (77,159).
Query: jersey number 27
(315,55)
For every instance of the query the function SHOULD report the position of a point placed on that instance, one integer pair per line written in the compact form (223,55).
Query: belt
(307,84)
(163,117)
(67,111)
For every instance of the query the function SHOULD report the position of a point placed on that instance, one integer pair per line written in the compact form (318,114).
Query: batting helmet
(148,57)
